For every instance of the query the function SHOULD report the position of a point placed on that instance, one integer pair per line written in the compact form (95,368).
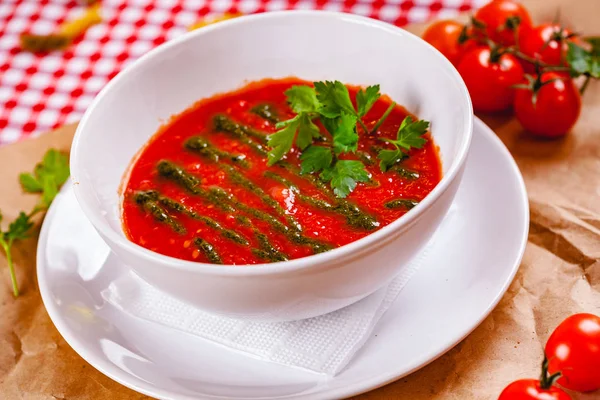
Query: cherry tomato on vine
(573,349)
(548,106)
(490,78)
(444,35)
(498,17)
(531,389)
(547,43)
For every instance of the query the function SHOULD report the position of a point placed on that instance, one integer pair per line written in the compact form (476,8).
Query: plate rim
(352,389)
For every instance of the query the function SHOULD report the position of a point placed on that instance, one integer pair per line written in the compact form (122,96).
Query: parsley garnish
(410,134)
(344,175)
(329,103)
(585,62)
(46,179)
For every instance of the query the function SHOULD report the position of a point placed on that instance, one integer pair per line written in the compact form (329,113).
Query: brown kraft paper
(559,275)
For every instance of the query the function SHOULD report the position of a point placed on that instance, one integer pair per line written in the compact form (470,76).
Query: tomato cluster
(572,359)
(507,62)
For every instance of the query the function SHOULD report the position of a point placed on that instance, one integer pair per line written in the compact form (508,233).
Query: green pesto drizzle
(203,147)
(405,173)
(401,203)
(223,123)
(267,251)
(239,179)
(228,202)
(208,250)
(211,223)
(266,111)
(152,207)
(354,215)
(365,157)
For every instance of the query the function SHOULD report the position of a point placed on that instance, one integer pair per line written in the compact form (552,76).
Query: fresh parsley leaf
(281,141)
(366,99)
(307,131)
(47,176)
(334,98)
(330,124)
(389,157)
(344,176)
(315,159)
(409,135)
(50,190)
(19,228)
(29,183)
(583,62)
(345,138)
(302,99)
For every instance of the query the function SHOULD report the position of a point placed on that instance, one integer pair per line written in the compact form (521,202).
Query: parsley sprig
(46,179)
(329,103)
(410,134)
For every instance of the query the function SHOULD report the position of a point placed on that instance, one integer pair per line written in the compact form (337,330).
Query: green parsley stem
(13,277)
(383,117)
(363,125)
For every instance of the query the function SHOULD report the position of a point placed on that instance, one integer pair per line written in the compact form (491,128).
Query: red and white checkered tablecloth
(42,92)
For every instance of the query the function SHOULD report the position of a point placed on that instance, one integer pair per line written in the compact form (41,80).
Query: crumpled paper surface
(559,276)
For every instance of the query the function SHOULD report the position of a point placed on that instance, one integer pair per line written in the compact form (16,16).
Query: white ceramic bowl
(313,45)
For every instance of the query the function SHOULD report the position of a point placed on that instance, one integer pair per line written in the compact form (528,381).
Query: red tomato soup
(201,189)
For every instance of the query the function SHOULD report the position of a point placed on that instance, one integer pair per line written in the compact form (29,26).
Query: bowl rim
(325,259)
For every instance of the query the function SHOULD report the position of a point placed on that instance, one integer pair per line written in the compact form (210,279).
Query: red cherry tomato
(444,35)
(574,350)
(530,389)
(556,109)
(547,43)
(490,80)
(495,14)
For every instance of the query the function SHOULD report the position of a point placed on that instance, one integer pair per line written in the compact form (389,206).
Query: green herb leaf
(409,135)
(48,175)
(29,183)
(388,158)
(345,138)
(302,99)
(330,124)
(281,141)
(19,228)
(315,159)
(334,98)
(583,62)
(366,99)
(50,190)
(307,130)
(344,176)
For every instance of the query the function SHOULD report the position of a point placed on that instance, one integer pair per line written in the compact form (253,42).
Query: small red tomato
(444,35)
(531,389)
(547,43)
(497,16)
(573,349)
(490,78)
(549,106)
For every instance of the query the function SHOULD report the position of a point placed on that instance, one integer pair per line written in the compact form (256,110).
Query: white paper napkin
(323,344)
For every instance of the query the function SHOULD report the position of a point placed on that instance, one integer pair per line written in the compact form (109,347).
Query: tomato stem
(585,84)
(546,381)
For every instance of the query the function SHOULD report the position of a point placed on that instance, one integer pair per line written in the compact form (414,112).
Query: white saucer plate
(469,268)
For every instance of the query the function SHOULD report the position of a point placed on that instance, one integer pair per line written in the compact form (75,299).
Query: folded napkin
(322,344)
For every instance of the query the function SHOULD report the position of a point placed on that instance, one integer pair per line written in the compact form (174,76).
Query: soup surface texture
(202,190)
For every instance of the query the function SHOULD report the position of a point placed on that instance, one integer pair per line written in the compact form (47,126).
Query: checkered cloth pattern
(42,92)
